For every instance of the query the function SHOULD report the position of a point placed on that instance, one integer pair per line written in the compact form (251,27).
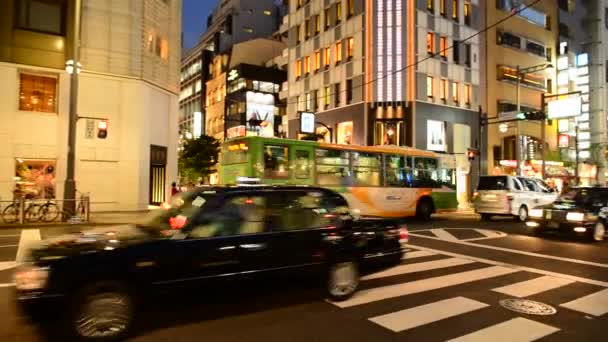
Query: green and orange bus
(381,181)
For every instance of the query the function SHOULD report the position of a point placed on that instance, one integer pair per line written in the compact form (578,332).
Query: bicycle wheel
(32,213)
(48,212)
(10,214)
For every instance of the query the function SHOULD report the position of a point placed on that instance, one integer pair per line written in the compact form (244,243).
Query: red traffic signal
(102,129)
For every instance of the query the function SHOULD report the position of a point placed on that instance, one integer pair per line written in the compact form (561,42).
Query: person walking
(174,189)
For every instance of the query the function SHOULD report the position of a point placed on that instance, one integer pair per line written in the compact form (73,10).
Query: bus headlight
(538,213)
(28,278)
(578,217)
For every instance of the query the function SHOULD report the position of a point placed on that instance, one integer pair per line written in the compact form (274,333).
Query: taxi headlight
(536,213)
(28,278)
(575,217)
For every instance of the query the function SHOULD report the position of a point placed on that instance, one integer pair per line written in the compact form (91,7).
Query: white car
(510,196)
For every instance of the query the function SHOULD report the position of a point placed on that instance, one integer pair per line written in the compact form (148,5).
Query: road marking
(595,304)
(429,313)
(29,237)
(9,235)
(418,267)
(516,251)
(443,234)
(6,246)
(7,285)
(417,286)
(416,254)
(517,267)
(5,265)
(515,330)
(533,286)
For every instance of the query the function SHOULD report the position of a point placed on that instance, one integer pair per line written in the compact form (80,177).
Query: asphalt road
(451,286)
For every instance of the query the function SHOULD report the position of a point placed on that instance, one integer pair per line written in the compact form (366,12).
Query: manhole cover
(527,306)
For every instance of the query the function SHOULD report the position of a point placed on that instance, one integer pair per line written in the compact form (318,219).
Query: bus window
(366,169)
(398,171)
(235,153)
(276,161)
(425,173)
(333,167)
(302,164)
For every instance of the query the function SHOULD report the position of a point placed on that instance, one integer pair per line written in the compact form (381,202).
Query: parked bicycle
(12,212)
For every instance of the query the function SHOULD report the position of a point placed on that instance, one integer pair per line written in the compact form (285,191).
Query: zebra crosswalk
(431,289)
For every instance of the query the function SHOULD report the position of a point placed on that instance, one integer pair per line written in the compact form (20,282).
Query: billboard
(260,106)
(564,108)
(307,122)
(435,135)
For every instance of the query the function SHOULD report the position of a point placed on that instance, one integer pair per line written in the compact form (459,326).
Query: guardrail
(23,211)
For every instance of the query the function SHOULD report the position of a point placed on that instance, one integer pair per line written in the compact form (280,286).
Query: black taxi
(206,235)
(580,210)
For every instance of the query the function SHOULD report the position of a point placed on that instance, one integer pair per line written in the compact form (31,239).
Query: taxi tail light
(177,222)
(404,234)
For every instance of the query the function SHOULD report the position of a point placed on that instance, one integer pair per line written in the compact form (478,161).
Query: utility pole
(576,150)
(69,190)
(542,135)
(518,109)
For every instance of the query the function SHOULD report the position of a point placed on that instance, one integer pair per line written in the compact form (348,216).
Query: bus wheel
(424,209)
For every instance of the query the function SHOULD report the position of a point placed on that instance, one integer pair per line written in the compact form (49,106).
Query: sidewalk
(119,217)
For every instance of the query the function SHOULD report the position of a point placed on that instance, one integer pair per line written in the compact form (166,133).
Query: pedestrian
(174,189)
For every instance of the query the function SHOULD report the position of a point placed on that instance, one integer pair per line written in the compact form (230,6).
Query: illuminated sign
(260,106)
(307,123)
(197,129)
(435,135)
(233,75)
(564,140)
(564,108)
(582,59)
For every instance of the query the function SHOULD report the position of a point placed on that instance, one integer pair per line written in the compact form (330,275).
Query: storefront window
(345,132)
(388,133)
(35,179)
(276,162)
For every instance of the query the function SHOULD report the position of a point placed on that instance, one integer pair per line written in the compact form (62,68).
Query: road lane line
(9,235)
(595,304)
(416,254)
(6,265)
(6,246)
(418,267)
(517,267)
(533,286)
(29,237)
(515,330)
(516,251)
(417,286)
(429,313)
(443,234)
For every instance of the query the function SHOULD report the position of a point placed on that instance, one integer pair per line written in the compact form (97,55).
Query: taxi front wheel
(343,280)
(598,232)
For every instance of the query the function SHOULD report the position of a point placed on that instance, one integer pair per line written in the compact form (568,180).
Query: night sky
(194,19)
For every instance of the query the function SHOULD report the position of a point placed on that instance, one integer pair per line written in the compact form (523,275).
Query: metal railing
(23,211)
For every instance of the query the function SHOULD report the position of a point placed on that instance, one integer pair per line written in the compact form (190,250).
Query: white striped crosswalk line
(533,286)
(515,330)
(595,304)
(417,254)
(418,267)
(417,286)
(429,313)
(443,234)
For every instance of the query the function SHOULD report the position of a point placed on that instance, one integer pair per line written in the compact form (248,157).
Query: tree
(198,158)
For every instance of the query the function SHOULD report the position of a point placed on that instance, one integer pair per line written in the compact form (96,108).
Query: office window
(247,29)
(443,46)
(298,68)
(442,9)
(307,65)
(317,60)
(307,29)
(326,56)
(443,90)
(37,93)
(506,38)
(327,18)
(535,48)
(456,52)
(337,95)
(350,47)
(467,13)
(338,52)
(298,34)
(467,55)
(349,91)
(41,15)
(317,24)
(455,97)
(430,5)
(429,87)
(338,12)
(308,105)
(315,100)
(300,3)
(430,43)
(455,10)
(351,8)
(327,97)
(467,94)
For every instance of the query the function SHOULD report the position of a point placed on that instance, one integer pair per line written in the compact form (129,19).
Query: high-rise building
(520,59)
(128,82)
(388,72)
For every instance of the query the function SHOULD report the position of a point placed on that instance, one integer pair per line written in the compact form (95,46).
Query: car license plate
(553,225)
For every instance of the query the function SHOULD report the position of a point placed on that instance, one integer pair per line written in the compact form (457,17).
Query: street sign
(307,122)
(89,131)
(507,115)
(565,108)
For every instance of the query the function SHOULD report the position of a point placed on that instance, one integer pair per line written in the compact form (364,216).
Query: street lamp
(520,73)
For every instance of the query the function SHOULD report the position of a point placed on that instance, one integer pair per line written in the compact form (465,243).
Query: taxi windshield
(179,212)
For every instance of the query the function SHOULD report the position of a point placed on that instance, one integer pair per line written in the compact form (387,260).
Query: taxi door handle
(253,246)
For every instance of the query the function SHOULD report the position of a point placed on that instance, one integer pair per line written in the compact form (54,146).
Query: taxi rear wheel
(343,280)
(523,213)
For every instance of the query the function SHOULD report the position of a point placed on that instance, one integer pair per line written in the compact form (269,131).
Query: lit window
(430,43)
(326,56)
(443,46)
(467,94)
(430,5)
(443,91)
(317,60)
(455,96)
(37,93)
(338,52)
(267,12)
(351,8)
(307,64)
(442,9)
(317,24)
(429,87)
(345,132)
(307,29)
(327,97)
(327,18)
(350,47)
(298,68)
(308,101)
(338,12)
(164,49)
(455,10)
(467,13)
(248,29)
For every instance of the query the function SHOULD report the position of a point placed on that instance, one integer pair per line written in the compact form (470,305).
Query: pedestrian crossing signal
(102,129)
(471,154)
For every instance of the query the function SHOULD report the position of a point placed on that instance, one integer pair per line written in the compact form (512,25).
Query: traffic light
(102,129)
(472,153)
(534,115)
